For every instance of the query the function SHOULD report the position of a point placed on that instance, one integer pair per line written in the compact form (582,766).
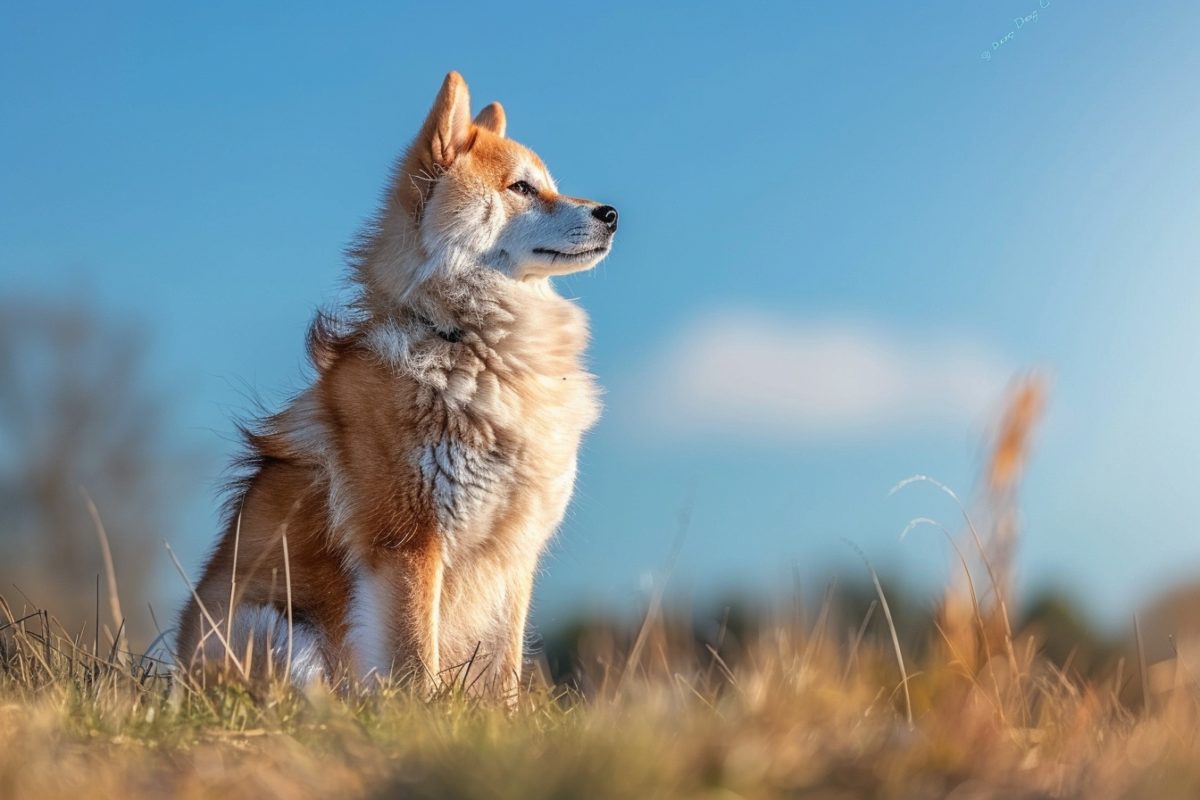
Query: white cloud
(750,374)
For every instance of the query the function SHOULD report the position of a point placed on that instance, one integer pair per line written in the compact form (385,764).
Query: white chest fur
(502,405)
(462,482)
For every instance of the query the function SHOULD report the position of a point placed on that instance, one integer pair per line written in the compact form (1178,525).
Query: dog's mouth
(572,255)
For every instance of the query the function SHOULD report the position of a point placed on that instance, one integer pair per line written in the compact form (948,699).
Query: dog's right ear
(446,134)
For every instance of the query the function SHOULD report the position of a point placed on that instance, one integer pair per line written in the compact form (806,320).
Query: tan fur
(419,477)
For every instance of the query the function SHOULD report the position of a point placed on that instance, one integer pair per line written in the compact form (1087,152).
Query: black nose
(607,215)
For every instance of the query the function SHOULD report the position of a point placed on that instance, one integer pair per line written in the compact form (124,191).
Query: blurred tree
(1065,636)
(77,412)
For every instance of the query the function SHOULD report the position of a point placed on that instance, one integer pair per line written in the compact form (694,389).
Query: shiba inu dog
(391,517)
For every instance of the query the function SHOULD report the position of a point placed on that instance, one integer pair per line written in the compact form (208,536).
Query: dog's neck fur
(419,307)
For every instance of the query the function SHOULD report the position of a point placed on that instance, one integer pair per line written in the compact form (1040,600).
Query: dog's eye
(523,187)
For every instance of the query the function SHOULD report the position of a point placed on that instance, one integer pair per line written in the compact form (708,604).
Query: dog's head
(479,198)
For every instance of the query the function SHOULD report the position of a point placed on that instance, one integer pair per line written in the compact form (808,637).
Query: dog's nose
(607,215)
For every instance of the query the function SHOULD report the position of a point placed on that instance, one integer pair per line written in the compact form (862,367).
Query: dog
(390,519)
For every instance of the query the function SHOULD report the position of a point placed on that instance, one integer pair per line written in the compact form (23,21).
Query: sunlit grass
(796,711)
(835,705)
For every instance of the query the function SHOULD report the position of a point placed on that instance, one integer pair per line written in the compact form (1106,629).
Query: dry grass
(839,707)
(794,712)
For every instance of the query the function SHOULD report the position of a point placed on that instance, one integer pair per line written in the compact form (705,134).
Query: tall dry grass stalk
(1009,454)
(974,619)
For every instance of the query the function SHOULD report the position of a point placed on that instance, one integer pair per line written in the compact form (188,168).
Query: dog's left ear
(447,129)
(446,134)
(492,118)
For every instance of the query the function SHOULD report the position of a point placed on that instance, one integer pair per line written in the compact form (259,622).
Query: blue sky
(851,191)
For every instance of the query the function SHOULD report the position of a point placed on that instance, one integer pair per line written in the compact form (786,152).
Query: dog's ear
(492,118)
(447,130)
(446,135)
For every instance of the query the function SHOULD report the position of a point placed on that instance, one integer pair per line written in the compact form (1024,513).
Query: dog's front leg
(509,674)
(397,610)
